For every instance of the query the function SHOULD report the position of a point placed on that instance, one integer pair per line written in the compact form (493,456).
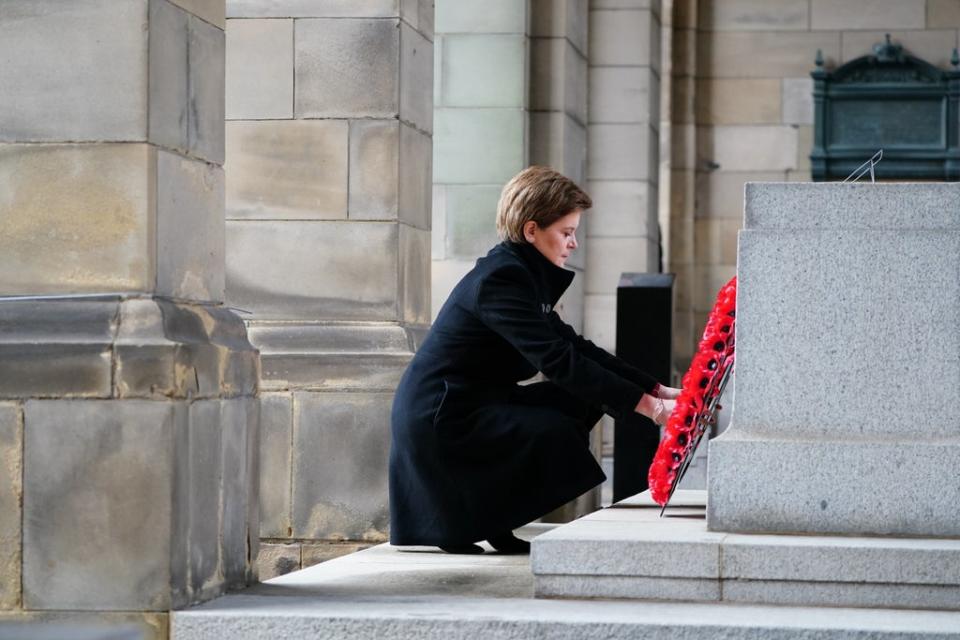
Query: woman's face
(557,241)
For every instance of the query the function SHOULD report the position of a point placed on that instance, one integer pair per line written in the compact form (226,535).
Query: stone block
(874,14)
(444,276)
(478,145)
(375,169)
(749,148)
(483,70)
(624,38)
(333,370)
(831,594)
(765,54)
(559,141)
(277,559)
(287,170)
(607,258)
(932,45)
(471,213)
(290,289)
(190,228)
(80,73)
(558,79)
(82,625)
(683,96)
(620,208)
(259,80)
(564,19)
(624,95)
(169,81)
(415,275)
(346,68)
(97,504)
(804,148)
(600,319)
(496,16)
(207,46)
(797,101)
(345,498)
(754,15)
(716,241)
(720,193)
(416,79)
(205,463)
(276,438)
(942,13)
(622,152)
(627,587)
(239,487)
(416,177)
(11,493)
(213,11)
(739,101)
(77,218)
(312,9)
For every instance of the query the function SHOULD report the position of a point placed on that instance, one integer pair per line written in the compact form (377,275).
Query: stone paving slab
(389,593)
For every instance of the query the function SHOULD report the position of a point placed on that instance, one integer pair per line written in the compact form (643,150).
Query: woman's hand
(667,393)
(656,408)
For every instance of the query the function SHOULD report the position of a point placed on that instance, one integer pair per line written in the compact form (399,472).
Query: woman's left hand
(667,393)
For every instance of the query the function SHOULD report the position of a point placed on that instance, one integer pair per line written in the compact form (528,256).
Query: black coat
(474,454)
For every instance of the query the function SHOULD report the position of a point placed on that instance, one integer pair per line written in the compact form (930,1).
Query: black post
(645,340)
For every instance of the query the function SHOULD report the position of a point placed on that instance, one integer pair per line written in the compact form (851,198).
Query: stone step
(629,551)
(387,593)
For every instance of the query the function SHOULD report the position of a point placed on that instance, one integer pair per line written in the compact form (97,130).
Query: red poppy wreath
(697,403)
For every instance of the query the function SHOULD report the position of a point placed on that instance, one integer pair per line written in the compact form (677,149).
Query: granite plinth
(629,551)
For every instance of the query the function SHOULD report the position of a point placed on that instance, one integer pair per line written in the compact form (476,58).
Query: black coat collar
(552,278)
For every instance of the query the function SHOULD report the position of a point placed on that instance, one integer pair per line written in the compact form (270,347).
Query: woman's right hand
(657,409)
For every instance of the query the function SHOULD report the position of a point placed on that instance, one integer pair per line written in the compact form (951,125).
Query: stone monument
(128,409)
(835,484)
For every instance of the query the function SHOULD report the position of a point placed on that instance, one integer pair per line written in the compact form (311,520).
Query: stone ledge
(628,551)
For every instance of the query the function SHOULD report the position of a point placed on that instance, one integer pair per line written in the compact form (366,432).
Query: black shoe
(463,549)
(509,543)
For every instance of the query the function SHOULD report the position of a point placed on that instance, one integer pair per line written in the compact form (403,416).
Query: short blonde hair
(539,194)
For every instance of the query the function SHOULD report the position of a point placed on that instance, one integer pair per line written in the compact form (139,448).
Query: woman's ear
(528,228)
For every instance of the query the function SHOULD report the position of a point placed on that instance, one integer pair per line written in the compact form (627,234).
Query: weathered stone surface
(79,72)
(564,19)
(482,70)
(213,11)
(190,228)
(168,71)
(620,208)
(630,38)
(63,625)
(600,319)
(739,101)
(11,491)
(624,94)
(750,148)
(312,8)
(875,14)
(316,553)
(478,145)
(259,80)
(558,78)
(471,212)
(559,141)
(240,486)
(607,258)
(755,15)
(203,505)
(496,16)
(765,54)
(333,370)
(346,68)
(345,498)
(96,504)
(207,46)
(622,152)
(276,438)
(416,79)
(277,559)
(294,169)
(942,13)
(416,173)
(291,289)
(375,169)
(77,218)
(414,275)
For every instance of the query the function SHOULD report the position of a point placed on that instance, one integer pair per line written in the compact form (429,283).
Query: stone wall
(743,102)
(128,410)
(328,159)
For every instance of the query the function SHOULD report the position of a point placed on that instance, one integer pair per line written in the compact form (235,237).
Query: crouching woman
(474,454)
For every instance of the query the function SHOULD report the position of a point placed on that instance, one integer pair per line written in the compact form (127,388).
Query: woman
(475,455)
